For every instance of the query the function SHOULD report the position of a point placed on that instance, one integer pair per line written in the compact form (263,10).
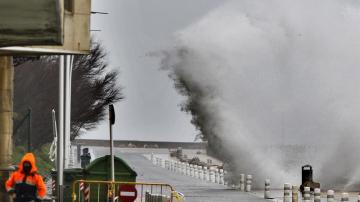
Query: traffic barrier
(330,196)
(123,191)
(267,189)
(317,195)
(344,197)
(155,197)
(306,194)
(287,192)
(242,182)
(295,193)
(248,183)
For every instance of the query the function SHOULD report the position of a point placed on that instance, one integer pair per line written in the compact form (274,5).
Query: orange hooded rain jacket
(30,186)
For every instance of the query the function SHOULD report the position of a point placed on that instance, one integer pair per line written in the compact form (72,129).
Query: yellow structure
(6,123)
(76,35)
(30,22)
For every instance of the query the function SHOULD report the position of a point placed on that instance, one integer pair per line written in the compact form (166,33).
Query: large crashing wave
(275,84)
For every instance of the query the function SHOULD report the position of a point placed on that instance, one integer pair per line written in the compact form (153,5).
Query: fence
(102,191)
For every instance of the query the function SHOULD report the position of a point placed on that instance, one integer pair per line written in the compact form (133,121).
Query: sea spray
(273,85)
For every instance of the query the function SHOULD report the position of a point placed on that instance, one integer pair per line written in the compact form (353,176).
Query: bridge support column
(6,122)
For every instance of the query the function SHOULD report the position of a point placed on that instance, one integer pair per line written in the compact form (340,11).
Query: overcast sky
(134,28)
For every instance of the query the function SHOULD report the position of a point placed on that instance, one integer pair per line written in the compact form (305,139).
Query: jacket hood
(30,158)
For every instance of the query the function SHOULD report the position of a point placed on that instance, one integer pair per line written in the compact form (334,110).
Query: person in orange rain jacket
(25,184)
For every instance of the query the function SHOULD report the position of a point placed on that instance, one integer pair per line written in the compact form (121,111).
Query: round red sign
(127,193)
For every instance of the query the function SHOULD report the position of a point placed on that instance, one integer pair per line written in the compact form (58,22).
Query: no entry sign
(127,193)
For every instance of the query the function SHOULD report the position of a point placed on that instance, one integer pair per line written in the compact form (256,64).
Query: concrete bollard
(225,180)
(212,175)
(152,157)
(358,199)
(295,193)
(178,167)
(330,196)
(191,170)
(287,192)
(217,176)
(206,173)
(242,182)
(317,195)
(345,197)
(221,178)
(188,169)
(196,172)
(201,173)
(165,164)
(248,183)
(183,168)
(267,189)
(306,194)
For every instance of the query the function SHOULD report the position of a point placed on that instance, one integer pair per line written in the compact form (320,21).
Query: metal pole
(60,145)
(67,110)
(111,122)
(29,130)
(112,154)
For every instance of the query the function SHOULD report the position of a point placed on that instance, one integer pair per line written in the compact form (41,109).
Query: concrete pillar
(317,195)
(267,189)
(287,192)
(295,193)
(330,196)
(6,121)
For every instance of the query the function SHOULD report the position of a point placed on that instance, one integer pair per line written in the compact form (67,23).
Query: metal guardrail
(101,191)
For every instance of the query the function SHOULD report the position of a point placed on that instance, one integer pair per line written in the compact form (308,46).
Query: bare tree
(94,87)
